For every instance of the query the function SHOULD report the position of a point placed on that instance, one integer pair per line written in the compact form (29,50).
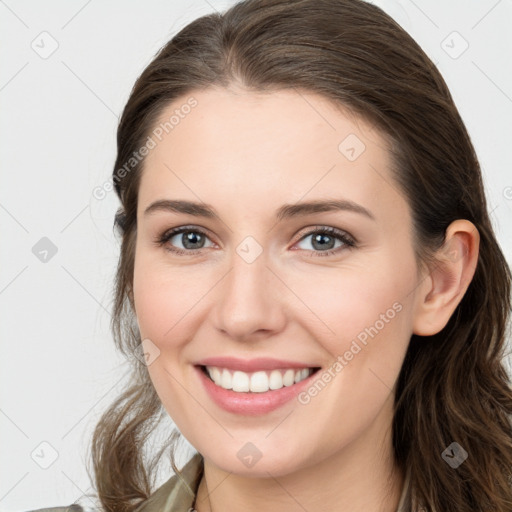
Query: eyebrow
(286,211)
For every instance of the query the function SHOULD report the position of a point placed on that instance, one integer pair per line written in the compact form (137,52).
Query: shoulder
(69,508)
(179,492)
(175,495)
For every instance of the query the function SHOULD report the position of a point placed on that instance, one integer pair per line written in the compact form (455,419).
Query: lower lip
(251,404)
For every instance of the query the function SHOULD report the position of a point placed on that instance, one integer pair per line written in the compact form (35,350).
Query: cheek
(152,305)
(164,303)
(350,303)
(160,301)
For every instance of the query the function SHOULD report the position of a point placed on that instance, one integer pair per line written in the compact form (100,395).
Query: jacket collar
(179,492)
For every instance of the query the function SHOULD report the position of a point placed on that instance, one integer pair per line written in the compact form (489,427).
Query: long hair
(452,386)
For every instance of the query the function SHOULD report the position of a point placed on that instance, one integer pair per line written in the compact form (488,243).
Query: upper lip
(252,365)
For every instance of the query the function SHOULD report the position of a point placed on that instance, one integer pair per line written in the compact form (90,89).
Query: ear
(129,294)
(443,288)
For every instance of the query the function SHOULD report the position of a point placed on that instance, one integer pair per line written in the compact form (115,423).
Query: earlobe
(448,279)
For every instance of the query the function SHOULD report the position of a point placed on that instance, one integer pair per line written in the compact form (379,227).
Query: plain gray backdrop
(67,70)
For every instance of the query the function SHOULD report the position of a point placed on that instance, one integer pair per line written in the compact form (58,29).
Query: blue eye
(325,239)
(190,237)
(193,240)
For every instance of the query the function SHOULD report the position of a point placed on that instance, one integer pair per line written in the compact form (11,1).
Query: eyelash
(348,241)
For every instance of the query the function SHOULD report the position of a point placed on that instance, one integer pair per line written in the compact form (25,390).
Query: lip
(252,404)
(253,365)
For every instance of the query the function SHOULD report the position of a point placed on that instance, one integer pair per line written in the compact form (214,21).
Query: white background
(59,114)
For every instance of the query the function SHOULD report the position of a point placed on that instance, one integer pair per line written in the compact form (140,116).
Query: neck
(360,477)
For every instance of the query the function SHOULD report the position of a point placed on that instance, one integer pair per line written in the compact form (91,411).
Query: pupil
(320,238)
(192,238)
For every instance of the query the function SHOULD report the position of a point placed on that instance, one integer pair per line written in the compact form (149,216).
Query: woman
(308,277)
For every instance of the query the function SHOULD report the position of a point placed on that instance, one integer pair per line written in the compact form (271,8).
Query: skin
(247,154)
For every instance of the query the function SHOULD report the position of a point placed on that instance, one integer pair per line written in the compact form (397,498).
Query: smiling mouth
(256,382)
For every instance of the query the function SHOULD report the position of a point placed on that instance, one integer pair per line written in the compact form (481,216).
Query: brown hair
(452,386)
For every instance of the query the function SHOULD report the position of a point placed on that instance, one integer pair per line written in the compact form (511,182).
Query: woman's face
(261,287)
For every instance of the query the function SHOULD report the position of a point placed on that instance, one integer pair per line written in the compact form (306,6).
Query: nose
(249,302)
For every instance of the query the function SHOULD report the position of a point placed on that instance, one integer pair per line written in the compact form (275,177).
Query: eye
(324,240)
(191,238)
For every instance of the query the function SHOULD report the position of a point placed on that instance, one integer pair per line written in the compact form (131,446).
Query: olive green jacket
(178,494)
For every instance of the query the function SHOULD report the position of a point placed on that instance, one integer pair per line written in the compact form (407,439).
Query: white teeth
(240,382)
(226,381)
(257,382)
(216,375)
(288,378)
(276,380)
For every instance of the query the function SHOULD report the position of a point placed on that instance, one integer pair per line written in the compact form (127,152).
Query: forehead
(236,145)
